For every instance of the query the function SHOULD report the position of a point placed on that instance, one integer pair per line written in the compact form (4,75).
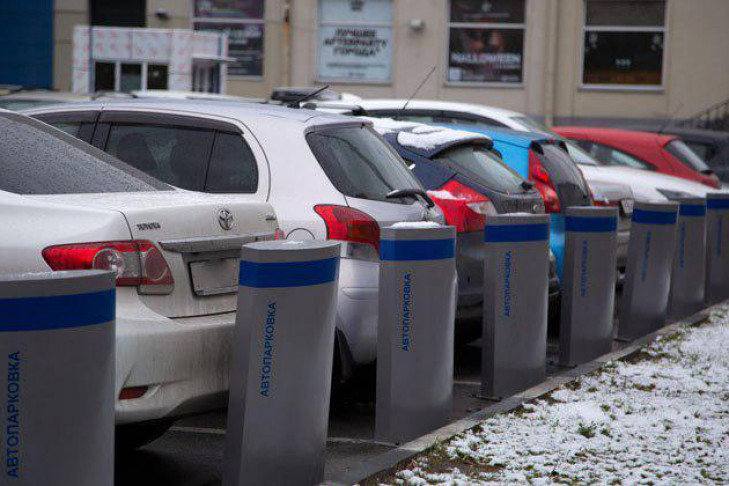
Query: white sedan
(66,205)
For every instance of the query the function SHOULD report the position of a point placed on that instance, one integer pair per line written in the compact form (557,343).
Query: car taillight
(278,234)
(137,263)
(539,175)
(463,207)
(351,225)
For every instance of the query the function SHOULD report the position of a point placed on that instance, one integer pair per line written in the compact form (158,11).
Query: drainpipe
(550,84)
(286,45)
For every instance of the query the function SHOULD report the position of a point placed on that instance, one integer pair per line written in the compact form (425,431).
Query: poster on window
(356,53)
(485,55)
(229,9)
(245,44)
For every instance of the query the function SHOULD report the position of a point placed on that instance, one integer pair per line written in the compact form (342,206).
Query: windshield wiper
(411,193)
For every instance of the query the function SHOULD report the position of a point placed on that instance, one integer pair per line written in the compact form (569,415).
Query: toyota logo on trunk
(225,219)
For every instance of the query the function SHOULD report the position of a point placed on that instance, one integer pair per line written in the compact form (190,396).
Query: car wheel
(134,436)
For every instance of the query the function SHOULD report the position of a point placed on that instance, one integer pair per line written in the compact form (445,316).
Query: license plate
(627,206)
(215,277)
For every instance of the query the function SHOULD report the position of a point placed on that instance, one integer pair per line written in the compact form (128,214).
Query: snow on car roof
(423,137)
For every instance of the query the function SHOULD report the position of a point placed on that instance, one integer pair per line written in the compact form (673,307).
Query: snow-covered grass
(660,417)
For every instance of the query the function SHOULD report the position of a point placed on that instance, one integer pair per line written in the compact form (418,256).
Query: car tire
(133,436)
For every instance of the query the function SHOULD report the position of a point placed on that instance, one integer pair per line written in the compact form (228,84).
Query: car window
(175,155)
(481,164)
(71,128)
(687,156)
(232,165)
(477,121)
(360,163)
(38,159)
(534,126)
(579,155)
(703,150)
(610,156)
(564,173)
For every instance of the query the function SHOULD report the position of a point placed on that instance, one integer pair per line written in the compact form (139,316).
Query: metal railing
(713,118)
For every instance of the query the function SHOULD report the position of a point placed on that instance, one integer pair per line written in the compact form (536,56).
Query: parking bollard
(648,270)
(280,380)
(417,305)
(688,278)
(717,247)
(57,341)
(588,284)
(516,293)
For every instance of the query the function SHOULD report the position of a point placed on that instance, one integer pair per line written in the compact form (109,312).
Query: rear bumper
(183,362)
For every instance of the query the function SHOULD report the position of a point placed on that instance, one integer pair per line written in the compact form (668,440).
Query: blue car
(544,161)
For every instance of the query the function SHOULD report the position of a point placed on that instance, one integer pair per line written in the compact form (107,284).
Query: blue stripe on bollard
(57,311)
(717,203)
(692,210)
(516,233)
(414,250)
(287,274)
(590,224)
(645,216)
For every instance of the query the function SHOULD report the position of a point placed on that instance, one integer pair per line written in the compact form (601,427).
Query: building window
(355,40)
(128,76)
(115,13)
(243,21)
(624,43)
(486,41)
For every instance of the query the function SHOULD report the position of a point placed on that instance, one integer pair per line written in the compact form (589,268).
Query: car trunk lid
(199,235)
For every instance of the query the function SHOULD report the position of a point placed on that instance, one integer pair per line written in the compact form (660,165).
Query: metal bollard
(57,340)
(717,247)
(648,270)
(588,284)
(516,291)
(417,302)
(280,380)
(688,278)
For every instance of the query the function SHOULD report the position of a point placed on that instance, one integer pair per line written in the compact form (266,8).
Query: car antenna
(425,79)
(297,103)
(670,119)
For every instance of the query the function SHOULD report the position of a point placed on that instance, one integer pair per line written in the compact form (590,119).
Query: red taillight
(278,234)
(133,392)
(539,175)
(347,224)
(137,263)
(463,207)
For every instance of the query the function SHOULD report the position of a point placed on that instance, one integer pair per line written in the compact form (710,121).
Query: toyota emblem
(225,219)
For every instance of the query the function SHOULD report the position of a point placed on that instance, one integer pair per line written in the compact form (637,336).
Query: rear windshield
(567,177)
(482,165)
(580,156)
(688,157)
(361,164)
(38,159)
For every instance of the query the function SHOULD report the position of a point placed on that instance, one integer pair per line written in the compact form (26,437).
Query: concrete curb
(391,459)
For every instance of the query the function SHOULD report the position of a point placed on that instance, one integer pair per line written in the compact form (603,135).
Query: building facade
(567,61)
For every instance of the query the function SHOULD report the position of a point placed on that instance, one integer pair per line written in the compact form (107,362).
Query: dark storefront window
(486,41)
(624,43)
(243,21)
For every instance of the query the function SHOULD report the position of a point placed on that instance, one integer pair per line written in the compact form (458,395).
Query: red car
(663,153)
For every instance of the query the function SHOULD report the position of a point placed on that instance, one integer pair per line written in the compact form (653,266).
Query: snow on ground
(663,419)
